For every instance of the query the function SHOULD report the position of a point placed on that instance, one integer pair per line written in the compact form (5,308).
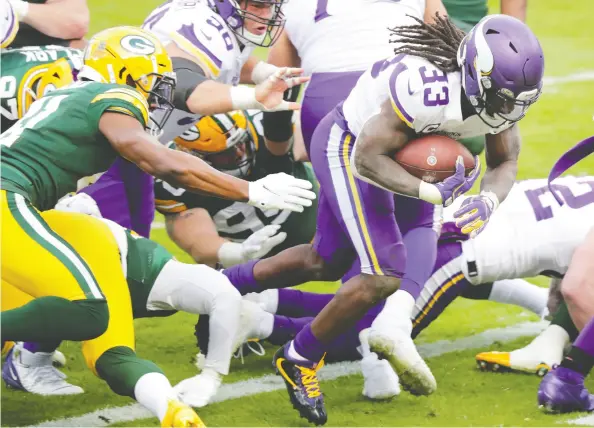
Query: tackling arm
(501,153)
(208,97)
(130,140)
(432,7)
(63,19)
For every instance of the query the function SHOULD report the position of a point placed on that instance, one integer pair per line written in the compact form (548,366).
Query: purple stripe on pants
(323,93)
(125,195)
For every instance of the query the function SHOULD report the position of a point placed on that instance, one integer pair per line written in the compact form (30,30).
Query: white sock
(397,311)
(294,354)
(154,391)
(521,293)
(264,326)
(267,299)
(553,337)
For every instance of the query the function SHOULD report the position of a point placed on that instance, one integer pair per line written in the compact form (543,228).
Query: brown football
(433,158)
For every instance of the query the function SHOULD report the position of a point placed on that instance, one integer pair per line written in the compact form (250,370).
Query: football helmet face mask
(502,67)
(226,141)
(241,15)
(134,57)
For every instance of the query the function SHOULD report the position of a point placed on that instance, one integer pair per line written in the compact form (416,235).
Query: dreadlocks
(437,42)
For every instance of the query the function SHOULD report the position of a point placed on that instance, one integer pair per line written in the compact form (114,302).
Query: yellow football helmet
(134,57)
(228,142)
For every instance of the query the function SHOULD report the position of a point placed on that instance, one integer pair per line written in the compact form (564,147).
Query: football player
(529,235)
(85,126)
(210,46)
(25,77)
(214,231)
(157,286)
(420,90)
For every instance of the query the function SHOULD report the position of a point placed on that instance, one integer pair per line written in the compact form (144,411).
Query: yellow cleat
(506,362)
(181,415)
(7,347)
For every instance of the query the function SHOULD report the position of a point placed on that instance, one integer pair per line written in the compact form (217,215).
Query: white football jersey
(339,35)
(424,97)
(204,35)
(530,233)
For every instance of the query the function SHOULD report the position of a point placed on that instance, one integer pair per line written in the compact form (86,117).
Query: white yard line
(106,417)
(584,420)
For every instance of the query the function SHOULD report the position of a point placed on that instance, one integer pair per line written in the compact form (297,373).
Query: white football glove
(256,246)
(281,191)
(79,203)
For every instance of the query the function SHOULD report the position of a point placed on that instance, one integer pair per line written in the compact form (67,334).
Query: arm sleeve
(188,76)
(278,126)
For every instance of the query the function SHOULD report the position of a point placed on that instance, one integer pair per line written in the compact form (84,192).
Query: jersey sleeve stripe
(123,110)
(142,106)
(200,52)
(396,105)
(13,29)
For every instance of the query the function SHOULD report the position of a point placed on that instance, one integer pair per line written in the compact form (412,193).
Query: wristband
(230,254)
(430,193)
(20,7)
(244,98)
(492,197)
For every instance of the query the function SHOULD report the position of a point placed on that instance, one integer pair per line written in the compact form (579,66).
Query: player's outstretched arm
(63,19)
(129,139)
(515,8)
(196,93)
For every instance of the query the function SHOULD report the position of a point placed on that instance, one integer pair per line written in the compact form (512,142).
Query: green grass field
(465,396)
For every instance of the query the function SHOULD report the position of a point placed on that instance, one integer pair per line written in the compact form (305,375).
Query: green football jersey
(145,260)
(22,69)
(466,13)
(58,141)
(236,221)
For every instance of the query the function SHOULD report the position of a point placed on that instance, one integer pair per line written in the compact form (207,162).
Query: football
(432,158)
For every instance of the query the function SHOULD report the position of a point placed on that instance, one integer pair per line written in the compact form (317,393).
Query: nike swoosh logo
(410,91)
(205,35)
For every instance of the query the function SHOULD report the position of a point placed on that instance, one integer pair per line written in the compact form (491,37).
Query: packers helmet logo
(138,44)
(192,134)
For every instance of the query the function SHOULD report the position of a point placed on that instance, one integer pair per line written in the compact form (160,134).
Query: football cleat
(199,390)
(303,386)
(397,347)
(58,359)
(515,361)
(562,390)
(380,381)
(180,415)
(34,372)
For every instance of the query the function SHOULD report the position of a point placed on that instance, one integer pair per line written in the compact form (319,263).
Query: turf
(465,397)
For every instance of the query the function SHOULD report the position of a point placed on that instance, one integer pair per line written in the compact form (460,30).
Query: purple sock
(40,347)
(421,252)
(585,340)
(295,303)
(308,346)
(242,277)
(286,328)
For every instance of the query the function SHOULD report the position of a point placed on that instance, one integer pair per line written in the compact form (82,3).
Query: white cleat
(396,346)
(34,372)
(380,380)
(198,391)
(538,357)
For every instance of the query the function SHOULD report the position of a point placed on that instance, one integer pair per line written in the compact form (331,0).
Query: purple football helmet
(502,67)
(236,16)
